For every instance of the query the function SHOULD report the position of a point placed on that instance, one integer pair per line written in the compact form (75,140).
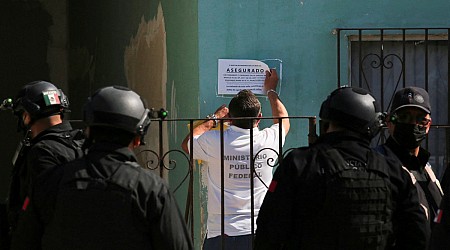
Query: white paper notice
(236,75)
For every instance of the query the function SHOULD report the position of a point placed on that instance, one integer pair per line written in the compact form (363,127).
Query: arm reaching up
(278,108)
(221,112)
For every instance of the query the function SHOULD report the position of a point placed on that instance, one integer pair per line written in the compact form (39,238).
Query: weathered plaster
(145,63)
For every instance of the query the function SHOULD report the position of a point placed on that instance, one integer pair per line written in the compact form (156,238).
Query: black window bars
(384,60)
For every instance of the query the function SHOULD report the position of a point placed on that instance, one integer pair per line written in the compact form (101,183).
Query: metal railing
(161,161)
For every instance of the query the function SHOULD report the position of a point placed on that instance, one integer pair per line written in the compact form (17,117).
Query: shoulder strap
(73,139)
(433,177)
(116,178)
(338,162)
(381,149)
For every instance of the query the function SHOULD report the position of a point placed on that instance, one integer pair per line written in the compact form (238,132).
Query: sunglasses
(410,118)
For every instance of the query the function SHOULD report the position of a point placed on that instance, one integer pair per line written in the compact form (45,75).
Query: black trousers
(242,242)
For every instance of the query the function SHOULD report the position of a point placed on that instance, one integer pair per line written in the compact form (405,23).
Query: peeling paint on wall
(145,62)
(203,200)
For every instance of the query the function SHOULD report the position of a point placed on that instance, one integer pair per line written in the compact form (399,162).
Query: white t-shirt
(236,174)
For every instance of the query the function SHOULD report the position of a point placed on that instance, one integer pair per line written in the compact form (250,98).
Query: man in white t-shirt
(237,164)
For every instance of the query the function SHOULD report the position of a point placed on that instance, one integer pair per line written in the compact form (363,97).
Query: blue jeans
(242,242)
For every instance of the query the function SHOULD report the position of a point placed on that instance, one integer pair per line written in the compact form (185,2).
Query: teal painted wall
(300,34)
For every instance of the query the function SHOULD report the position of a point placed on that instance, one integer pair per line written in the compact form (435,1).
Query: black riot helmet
(40,99)
(117,107)
(353,108)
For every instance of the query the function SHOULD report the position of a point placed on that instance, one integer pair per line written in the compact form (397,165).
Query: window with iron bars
(386,60)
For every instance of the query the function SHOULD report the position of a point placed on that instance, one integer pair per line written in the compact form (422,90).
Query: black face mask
(409,135)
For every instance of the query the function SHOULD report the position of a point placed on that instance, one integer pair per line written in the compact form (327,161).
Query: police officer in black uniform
(339,193)
(49,141)
(440,237)
(105,200)
(408,124)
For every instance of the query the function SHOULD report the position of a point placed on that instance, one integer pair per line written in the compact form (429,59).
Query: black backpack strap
(73,139)
(381,149)
(338,163)
(77,136)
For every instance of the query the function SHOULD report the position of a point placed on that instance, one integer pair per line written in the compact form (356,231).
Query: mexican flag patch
(51,97)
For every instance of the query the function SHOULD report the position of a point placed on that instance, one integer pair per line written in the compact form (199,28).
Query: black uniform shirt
(430,187)
(103,200)
(42,153)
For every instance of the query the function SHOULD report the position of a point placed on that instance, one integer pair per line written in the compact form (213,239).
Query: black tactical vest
(357,205)
(98,213)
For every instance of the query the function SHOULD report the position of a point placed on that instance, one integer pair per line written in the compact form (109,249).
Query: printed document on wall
(235,75)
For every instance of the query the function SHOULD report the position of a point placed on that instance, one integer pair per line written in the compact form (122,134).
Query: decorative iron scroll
(159,162)
(384,62)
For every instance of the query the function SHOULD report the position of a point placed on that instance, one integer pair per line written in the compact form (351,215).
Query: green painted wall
(182,92)
(99,31)
(102,29)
